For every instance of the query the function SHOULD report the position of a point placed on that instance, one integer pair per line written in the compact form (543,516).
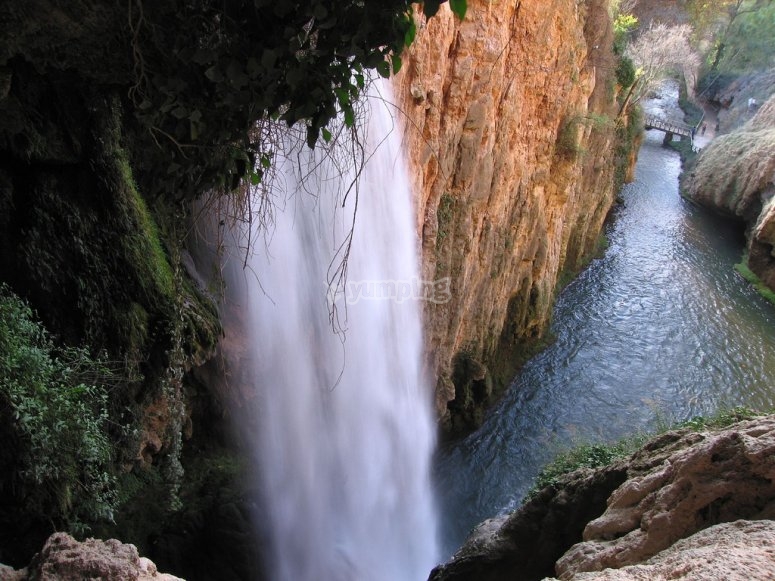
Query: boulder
(65,559)
(738,551)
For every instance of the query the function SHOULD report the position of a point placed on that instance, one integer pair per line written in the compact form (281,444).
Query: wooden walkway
(670,127)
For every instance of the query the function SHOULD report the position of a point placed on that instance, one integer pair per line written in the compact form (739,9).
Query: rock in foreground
(738,551)
(65,559)
(663,517)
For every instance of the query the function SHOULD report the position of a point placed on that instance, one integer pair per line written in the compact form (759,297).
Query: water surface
(660,329)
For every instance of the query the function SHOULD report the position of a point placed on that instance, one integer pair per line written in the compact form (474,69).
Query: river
(660,329)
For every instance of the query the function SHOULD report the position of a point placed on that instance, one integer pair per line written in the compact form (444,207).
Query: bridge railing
(652,122)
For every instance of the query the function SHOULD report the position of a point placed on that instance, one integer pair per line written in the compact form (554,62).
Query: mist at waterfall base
(342,407)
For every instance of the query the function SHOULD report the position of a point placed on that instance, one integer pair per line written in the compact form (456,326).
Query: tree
(740,31)
(659,51)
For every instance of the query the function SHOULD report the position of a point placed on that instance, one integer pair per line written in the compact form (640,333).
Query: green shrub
(625,72)
(584,456)
(55,418)
(603,454)
(720,419)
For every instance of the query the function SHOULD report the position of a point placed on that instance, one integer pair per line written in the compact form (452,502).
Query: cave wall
(510,123)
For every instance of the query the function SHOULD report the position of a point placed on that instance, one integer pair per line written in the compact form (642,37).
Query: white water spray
(346,430)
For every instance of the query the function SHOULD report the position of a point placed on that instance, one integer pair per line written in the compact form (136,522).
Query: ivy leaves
(218,68)
(458,7)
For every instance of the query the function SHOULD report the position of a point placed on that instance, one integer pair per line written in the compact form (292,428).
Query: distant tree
(740,33)
(659,51)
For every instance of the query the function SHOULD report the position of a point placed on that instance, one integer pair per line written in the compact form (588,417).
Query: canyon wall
(510,124)
(735,176)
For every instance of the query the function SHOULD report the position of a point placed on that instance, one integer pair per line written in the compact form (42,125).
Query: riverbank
(633,515)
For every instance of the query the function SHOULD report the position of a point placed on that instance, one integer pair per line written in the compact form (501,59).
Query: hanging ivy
(205,71)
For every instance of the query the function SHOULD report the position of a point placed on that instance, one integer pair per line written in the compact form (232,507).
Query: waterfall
(345,427)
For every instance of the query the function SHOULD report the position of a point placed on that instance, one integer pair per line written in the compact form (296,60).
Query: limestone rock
(656,515)
(735,175)
(504,201)
(525,545)
(65,559)
(737,551)
(722,477)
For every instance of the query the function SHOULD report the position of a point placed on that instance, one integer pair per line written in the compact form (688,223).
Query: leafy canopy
(206,71)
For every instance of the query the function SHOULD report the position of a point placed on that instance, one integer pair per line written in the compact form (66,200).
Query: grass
(755,281)
(599,455)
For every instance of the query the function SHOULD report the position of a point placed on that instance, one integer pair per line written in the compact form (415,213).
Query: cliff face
(510,127)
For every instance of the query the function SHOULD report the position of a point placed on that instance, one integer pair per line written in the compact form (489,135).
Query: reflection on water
(660,327)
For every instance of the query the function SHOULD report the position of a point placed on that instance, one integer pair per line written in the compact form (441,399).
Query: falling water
(345,431)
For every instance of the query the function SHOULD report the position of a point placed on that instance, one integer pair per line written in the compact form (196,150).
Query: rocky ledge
(65,559)
(688,505)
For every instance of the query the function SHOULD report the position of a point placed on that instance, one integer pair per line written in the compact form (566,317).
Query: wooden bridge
(670,128)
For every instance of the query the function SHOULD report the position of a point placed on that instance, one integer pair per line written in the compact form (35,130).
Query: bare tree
(659,51)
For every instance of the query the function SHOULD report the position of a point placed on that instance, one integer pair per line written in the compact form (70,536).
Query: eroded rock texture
(510,127)
(738,551)
(65,559)
(653,516)
(708,479)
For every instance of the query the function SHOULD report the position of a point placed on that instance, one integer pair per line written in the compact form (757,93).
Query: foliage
(721,419)
(740,34)
(625,72)
(584,456)
(693,113)
(624,24)
(207,72)
(56,409)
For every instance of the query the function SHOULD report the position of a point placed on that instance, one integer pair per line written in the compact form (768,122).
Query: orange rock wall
(509,124)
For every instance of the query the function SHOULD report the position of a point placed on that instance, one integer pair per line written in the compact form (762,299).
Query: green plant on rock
(568,143)
(598,455)
(755,281)
(55,415)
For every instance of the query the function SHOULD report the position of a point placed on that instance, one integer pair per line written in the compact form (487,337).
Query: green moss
(598,455)
(145,245)
(444,215)
(569,273)
(693,113)
(685,150)
(750,276)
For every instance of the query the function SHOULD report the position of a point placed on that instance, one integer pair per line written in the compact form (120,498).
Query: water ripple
(660,327)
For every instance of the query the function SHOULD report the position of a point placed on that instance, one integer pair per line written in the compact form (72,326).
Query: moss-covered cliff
(513,132)
(99,262)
